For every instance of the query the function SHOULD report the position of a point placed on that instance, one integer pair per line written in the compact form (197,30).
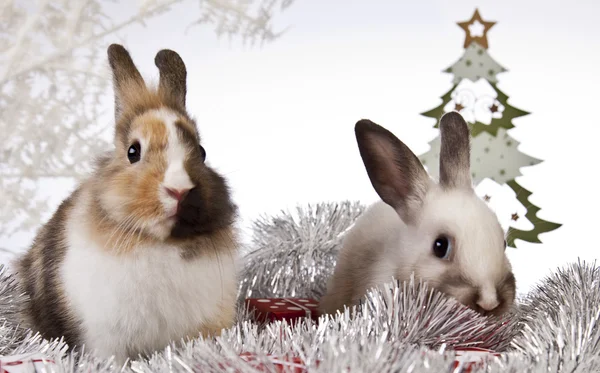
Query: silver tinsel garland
(402,327)
(293,254)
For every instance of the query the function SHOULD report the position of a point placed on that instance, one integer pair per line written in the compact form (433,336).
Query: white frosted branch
(11,54)
(40,64)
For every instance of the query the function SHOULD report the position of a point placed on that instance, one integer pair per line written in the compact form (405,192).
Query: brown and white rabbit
(143,252)
(442,233)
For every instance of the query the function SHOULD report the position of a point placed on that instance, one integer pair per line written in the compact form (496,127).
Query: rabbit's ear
(395,172)
(455,159)
(172,86)
(127,80)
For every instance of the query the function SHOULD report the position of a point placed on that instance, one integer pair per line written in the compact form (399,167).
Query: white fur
(141,300)
(176,177)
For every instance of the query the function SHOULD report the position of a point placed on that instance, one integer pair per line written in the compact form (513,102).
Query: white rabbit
(443,233)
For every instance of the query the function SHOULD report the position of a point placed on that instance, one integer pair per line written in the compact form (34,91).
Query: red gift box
(469,358)
(288,309)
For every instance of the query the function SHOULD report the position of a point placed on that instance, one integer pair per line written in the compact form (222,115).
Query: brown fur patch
(187,132)
(207,207)
(114,237)
(137,101)
(138,190)
(47,310)
(152,129)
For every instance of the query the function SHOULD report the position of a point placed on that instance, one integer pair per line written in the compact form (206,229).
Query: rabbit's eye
(505,245)
(134,152)
(442,247)
(202,152)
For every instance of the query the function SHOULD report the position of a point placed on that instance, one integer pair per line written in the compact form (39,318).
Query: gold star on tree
(515,216)
(458,107)
(472,36)
(487,198)
(494,108)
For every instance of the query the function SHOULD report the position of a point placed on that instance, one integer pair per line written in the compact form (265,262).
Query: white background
(278,120)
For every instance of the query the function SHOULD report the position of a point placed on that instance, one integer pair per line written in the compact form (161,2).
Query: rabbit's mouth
(472,297)
(496,312)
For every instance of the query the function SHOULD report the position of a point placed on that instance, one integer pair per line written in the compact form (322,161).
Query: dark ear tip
(116,49)
(453,121)
(364,125)
(166,56)
(452,116)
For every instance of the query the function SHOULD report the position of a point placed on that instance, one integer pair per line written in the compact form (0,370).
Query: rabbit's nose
(488,299)
(177,194)
(488,306)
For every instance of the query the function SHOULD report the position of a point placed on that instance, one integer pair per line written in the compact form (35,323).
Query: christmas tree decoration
(474,100)
(399,327)
(494,153)
(540,226)
(503,203)
(492,157)
(474,31)
(475,64)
